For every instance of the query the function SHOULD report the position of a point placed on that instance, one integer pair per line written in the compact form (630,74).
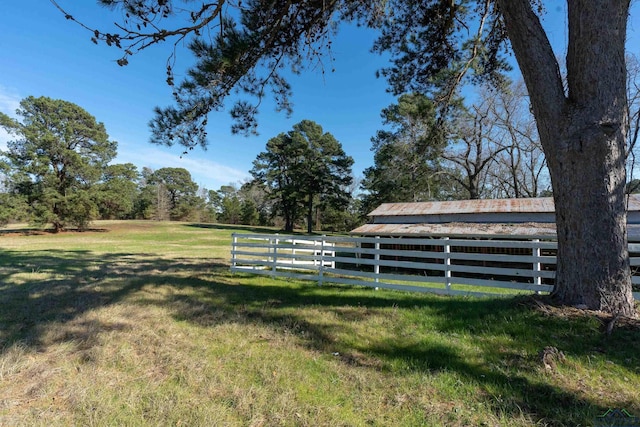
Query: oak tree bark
(583,131)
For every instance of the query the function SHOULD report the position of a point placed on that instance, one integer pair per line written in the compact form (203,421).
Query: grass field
(141,323)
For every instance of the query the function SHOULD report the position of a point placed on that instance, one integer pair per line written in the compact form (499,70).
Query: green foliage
(243,49)
(436,44)
(256,195)
(177,181)
(249,214)
(251,48)
(407,156)
(300,165)
(342,220)
(60,151)
(189,209)
(142,204)
(236,206)
(231,210)
(13,207)
(175,193)
(79,209)
(118,191)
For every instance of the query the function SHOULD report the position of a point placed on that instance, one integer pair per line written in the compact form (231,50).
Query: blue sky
(45,55)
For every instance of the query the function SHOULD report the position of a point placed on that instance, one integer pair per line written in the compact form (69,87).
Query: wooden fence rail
(439,265)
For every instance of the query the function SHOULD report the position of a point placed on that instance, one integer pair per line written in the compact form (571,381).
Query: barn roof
(526,218)
(459,229)
(523,230)
(527,205)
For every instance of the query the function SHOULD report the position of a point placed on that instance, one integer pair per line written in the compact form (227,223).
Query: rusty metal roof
(465,206)
(444,219)
(529,205)
(524,230)
(456,229)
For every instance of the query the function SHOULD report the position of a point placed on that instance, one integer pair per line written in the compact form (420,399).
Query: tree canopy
(243,50)
(175,191)
(59,152)
(304,164)
(407,154)
(118,191)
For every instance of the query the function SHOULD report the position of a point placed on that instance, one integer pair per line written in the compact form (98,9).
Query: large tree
(229,205)
(434,44)
(304,164)
(473,149)
(406,166)
(176,192)
(521,169)
(118,191)
(583,130)
(59,153)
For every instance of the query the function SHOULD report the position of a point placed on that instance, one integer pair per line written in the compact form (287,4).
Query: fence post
(321,270)
(234,244)
(376,266)
(447,264)
(537,280)
(275,256)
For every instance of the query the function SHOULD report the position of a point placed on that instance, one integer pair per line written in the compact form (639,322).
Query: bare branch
(133,40)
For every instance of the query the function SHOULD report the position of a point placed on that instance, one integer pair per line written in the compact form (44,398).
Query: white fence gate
(439,264)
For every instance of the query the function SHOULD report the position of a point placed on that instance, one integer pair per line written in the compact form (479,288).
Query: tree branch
(537,63)
(137,40)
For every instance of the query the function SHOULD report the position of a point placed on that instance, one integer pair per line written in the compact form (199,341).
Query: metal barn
(499,220)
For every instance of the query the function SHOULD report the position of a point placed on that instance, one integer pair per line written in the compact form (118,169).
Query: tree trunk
(58,224)
(318,223)
(583,134)
(310,214)
(593,260)
(288,223)
(472,188)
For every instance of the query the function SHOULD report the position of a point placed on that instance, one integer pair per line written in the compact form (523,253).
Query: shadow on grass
(33,231)
(59,286)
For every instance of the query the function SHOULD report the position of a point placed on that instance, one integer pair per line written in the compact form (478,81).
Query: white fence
(438,265)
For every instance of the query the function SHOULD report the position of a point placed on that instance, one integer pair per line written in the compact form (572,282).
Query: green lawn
(141,323)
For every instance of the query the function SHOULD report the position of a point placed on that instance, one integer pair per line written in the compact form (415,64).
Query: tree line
(57,170)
